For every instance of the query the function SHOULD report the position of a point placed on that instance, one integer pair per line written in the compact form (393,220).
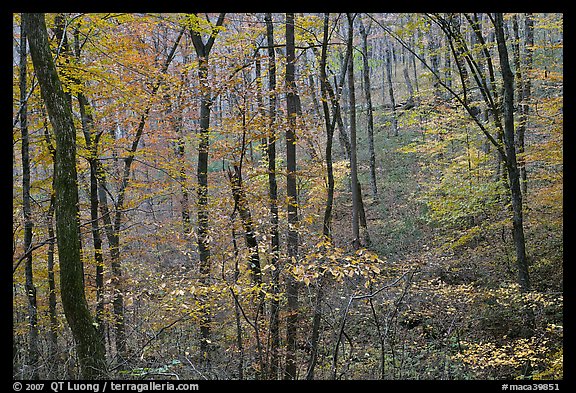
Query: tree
(369,108)
(356,242)
(90,348)
(92,140)
(388,71)
(203,53)
(510,158)
(287,294)
(292,199)
(327,223)
(273,195)
(33,352)
(523,64)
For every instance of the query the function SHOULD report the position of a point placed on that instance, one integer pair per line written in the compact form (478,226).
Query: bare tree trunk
(356,242)
(523,87)
(92,141)
(410,101)
(53,329)
(273,194)
(241,206)
(370,109)
(174,115)
(388,71)
(33,352)
(511,162)
(292,200)
(203,52)
(362,218)
(326,231)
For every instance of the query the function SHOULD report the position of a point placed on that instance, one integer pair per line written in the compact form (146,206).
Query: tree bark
(241,206)
(87,122)
(90,349)
(202,52)
(292,200)
(370,109)
(388,71)
(326,231)
(523,87)
(511,162)
(273,195)
(53,330)
(356,242)
(33,352)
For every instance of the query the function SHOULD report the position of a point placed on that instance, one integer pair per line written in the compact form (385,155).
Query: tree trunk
(33,352)
(292,200)
(92,145)
(273,194)
(241,206)
(388,71)
(175,118)
(367,91)
(92,141)
(356,242)
(523,86)
(53,329)
(511,162)
(326,231)
(362,218)
(329,124)
(90,349)
(410,101)
(203,52)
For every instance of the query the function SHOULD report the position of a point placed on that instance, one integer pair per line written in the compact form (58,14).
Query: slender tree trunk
(368,93)
(53,329)
(92,145)
(364,233)
(459,55)
(174,115)
(341,120)
(202,181)
(292,200)
(239,341)
(92,141)
(388,71)
(203,52)
(241,206)
(434,59)
(414,69)
(447,62)
(260,109)
(356,242)
(329,124)
(511,162)
(273,195)
(90,349)
(33,352)
(337,110)
(326,232)
(522,65)
(410,101)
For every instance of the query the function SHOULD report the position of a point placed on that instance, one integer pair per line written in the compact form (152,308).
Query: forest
(287,196)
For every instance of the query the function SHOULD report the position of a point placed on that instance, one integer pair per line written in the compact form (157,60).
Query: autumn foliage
(180,270)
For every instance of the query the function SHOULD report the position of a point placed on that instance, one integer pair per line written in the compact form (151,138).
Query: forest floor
(395,216)
(462,302)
